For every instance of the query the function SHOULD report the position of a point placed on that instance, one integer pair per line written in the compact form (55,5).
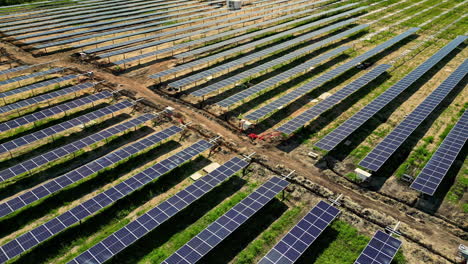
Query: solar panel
(16,69)
(30,76)
(59,153)
(271,29)
(146,45)
(105,22)
(148,25)
(44,98)
(23,29)
(147,222)
(217,231)
(435,170)
(380,250)
(10,146)
(302,235)
(324,78)
(385,149)
(38,85)
(253,57)
(202,41)
(349,126)
(128,21)
(289,74)
(301,120)
(229,53)
(100,201)
(87,170)
(48,113)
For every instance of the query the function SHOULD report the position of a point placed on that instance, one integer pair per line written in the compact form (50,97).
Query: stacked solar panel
(435,170)
(296,242)
(38,85)
(328,76)
(48,113)
(316,110)
(30,76)
(330,141)
(101,201)
(217,231)
(45,97)
(389,145)
(59,153)
(144,224)
(110,160)
(12,145)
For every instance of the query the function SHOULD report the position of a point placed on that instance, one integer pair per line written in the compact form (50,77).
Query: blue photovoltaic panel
(55,129)
(324,78)
(37,85)
(44,97)
(231,81)
(301,236)
(217,231)
(385,149)
(197,42)
(58,153)
(435,170)
(80,173)
(330,141)
(100,23)
(16,69)
(100,201)
(230,52)
(52,111)
(380,250)
(144,224)
(262,53)
(30,76)
(316,110)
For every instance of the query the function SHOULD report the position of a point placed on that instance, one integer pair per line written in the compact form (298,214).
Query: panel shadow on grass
(47,205)
(76,234)
(318,247)
(179,222)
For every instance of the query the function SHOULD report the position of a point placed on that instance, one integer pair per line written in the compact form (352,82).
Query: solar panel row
(302,235)
(191,53)
(100,201)
(244,60)
(45,97)
(147,222)
(301,120)
(16,69)
(217,231)
(150,44)
(435,170)
(380,250)
(127,22)
(293,72)
(10,146)
(349,126)
(59,153)
(105,162)
(30,76)
(248,16)
(229,53)
(24,29)
(78,15)
(324,78)
(38,85)
(48,113)
(387,147)
(195,43)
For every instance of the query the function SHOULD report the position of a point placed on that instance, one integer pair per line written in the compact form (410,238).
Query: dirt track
(439,238)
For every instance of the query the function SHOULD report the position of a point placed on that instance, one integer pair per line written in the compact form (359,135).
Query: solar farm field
(207,131)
